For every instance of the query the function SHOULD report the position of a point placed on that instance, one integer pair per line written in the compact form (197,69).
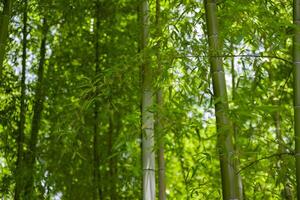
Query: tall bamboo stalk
(286,191)
(21,125)
(159,124)
(4,23)
(224,126)
(97,194)
(147,118)
(296,59)
(36,119)
(114,128)
(235,128)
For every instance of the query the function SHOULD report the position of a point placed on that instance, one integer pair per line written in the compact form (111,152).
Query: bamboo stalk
(224,126)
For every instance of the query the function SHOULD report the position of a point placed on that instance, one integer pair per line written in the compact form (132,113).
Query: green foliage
(256,43)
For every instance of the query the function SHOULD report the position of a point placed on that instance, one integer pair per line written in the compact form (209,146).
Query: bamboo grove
(140,99)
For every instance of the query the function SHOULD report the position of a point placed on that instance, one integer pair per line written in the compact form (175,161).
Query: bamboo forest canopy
(149,99)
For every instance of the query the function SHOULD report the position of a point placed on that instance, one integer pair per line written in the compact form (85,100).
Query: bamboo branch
(239,56)
(264,158)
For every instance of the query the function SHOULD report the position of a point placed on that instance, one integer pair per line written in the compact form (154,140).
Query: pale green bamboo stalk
(148,155)
(235,128)
(159,123)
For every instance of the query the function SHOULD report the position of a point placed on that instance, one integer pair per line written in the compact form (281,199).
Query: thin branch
(242,56)
(264,158)
(258,56)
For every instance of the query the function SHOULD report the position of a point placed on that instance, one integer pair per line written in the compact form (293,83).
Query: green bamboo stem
(36,119)
(296,60)
(224,126)
(4,23)
(21,125)
(159,123)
